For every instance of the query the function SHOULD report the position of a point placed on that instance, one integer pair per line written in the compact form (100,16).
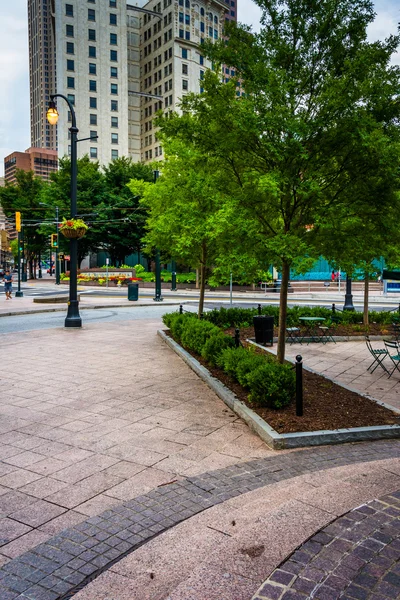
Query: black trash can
(133,291)
(277,285)
(264,329)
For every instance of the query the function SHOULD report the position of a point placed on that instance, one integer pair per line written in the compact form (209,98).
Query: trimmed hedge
(243,317)
(270,384)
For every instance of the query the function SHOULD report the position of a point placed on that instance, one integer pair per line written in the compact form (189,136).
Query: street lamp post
(73,318)
(348,299)
(157,297)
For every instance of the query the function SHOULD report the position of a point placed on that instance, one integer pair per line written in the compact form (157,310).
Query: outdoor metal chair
(393,353)
(293,335)
(326,334)
(378,354)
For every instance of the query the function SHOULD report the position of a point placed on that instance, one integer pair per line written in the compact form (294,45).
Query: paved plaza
(115,457)
(348,362)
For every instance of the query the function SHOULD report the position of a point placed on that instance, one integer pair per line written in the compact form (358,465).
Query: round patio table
(311,332)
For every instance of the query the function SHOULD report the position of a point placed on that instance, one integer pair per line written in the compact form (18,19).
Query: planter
(73,233)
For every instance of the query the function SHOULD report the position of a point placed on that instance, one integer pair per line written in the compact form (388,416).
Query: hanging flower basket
(73,228)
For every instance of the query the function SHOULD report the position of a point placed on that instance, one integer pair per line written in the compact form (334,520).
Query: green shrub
(247,365)
(177,322)
(272,385)
(214,346)
(229,359)
(195,333)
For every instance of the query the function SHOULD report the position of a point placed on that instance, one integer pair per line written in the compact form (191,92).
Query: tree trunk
(366,291)
(197,279)
(283,312)
(202,279)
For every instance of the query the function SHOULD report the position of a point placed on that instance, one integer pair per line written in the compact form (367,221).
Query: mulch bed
(339,330)
(327,406)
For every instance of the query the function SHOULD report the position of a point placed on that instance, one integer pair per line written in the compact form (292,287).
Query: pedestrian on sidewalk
(8,285)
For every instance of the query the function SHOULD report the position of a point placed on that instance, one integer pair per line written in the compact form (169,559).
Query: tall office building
(101,55)
(42,161)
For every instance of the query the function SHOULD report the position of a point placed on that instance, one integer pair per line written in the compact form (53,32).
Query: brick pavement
(347,362)
(57,567)
(354,558)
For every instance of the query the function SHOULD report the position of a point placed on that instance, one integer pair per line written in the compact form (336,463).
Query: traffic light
(54,241)
(18,221)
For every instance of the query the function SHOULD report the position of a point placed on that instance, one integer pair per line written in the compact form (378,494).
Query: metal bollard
(237,338)
(201,316)
(333,308)
(180,309)
(299,386)
(259,309)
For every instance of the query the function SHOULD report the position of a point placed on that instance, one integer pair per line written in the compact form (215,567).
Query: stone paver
(347,362)
(65,561)
(355,557)
(116,415)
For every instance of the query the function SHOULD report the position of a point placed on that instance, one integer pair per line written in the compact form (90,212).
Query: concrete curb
(275,440)
(95,307)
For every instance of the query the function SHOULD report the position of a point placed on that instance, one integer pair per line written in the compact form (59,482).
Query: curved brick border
(356,556)
(61,566)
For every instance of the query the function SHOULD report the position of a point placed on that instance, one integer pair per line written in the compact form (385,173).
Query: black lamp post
(348,299)
(73,318)
(157,297)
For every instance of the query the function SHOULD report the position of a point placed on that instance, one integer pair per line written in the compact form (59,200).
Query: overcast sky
(14,66)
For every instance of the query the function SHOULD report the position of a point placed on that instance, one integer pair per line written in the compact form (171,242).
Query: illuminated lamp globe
(52,114)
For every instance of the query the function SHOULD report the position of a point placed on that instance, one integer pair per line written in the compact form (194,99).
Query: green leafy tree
(120,218)
(91,192)
(24,196)
(184,209)
(320,104)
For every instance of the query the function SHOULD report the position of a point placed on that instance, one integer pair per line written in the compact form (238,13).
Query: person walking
(8,285)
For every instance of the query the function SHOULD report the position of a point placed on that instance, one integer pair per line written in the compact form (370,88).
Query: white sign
(107,261)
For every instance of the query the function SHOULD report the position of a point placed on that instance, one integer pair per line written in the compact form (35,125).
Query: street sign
(107,261)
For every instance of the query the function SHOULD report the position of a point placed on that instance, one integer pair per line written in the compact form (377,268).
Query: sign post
(107,263)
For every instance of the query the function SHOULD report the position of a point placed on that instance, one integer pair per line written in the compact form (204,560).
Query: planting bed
(327,405)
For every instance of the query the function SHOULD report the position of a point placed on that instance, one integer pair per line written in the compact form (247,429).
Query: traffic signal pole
(19,293)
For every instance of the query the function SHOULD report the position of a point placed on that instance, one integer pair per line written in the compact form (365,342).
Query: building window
(70,65)
(232,13)
(184,53)
(92,69)
(114,138)
(69,10)
(71,98)
(185,84)
(114,55)
(92,51)
(187,3)
(210,31)
(187,35)
(70,48)
(114,154)
(114,105)
(91,14)
(114,121)
(113,19)
(92,102)
(202,12)
(92,85)
(181,34)
(92,35)
(202,27)
(113,39)
(113,72)
(71,82)
(187,19)
(181,17)
(93,136)
(69,30)
(113,3)
(93,119)
(215,34)
(201,74)
(114,88)
(93,152)
(201,59)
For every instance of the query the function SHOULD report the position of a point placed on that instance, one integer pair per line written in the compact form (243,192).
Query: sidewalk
(123,460)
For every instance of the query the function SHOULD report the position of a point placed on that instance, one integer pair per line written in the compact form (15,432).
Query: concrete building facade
(102,54)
